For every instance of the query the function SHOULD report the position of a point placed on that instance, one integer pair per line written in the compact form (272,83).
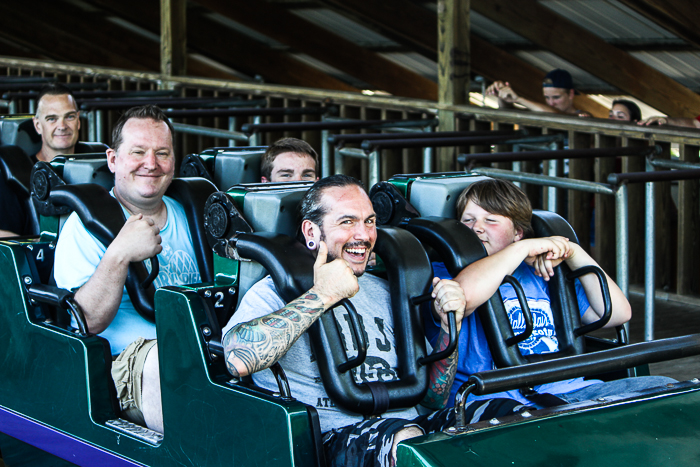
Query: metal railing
(676,269)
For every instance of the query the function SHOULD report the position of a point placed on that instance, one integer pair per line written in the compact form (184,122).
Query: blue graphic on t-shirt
(176,267)
(543,338)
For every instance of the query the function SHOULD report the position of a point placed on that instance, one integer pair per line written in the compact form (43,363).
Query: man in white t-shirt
(143,163)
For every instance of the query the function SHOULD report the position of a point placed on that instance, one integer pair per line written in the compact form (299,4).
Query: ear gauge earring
(311,244)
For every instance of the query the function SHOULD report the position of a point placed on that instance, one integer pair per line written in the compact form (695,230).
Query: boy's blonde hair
(499,197)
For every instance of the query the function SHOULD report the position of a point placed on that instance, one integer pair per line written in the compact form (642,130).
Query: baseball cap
(558,78)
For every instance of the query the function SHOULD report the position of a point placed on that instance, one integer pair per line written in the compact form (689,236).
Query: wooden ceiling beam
(74,35)
(589,52)
(231,48)
(417,26)
(11,47)
(277,23)
(677,16)
(243,53)
(66,36)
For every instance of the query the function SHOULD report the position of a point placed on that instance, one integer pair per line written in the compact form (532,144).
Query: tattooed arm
(449,297)
(257,344)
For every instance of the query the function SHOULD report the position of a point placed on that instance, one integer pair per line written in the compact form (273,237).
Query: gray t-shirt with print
(374,307)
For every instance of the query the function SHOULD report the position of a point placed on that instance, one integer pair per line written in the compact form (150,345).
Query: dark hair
(558,78)
(499,197)
(281,146)
(632,109)
(54,89)
(311,206)
(145,111)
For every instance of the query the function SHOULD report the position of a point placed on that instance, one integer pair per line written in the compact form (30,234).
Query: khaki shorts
(127,373)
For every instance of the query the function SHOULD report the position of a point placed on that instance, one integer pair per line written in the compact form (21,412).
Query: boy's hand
(544,254)
(545,267)
(449,297)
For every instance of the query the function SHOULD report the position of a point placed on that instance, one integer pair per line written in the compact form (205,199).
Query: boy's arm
(481,279)
(621,310)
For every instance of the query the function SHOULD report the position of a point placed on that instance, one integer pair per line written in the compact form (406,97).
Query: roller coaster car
(57,404)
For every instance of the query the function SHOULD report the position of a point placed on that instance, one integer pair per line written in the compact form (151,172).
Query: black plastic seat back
(18,130)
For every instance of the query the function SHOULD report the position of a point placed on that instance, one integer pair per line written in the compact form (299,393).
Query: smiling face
(144,163)
(349,226)
(495,231)
(559,98)
(292,167)
(57,120)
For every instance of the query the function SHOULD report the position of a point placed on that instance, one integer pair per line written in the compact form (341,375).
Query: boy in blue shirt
(500,214)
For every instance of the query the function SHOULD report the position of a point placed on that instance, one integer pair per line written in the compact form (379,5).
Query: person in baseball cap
(557,88)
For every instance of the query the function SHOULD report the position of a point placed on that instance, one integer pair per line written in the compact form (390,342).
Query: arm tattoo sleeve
(257,344)
(442,375)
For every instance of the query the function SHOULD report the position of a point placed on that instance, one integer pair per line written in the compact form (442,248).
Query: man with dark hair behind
(289,160)
(143,163)
(499,213)
(339,227)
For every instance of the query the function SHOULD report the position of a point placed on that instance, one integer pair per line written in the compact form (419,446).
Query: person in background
(625,110)
(289,160)
(557,88)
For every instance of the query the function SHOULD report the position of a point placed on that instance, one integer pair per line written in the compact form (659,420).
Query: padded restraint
(90,147)
(291,266)
(192,194)
(103,217)
(16,169)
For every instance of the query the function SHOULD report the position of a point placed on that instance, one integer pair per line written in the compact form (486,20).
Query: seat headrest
(437,197)
(87,147)
(18,130)
(547,224)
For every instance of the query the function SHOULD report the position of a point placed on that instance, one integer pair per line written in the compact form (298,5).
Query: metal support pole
(91,126)
(213,132)
(326,155)
(256,138)
(517,168)
(374,168)
(232,127)
(339,165)
(622,242)
(427,160)
(32,106)
(12,107)
(552,192)
(649,258)
(98,126)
